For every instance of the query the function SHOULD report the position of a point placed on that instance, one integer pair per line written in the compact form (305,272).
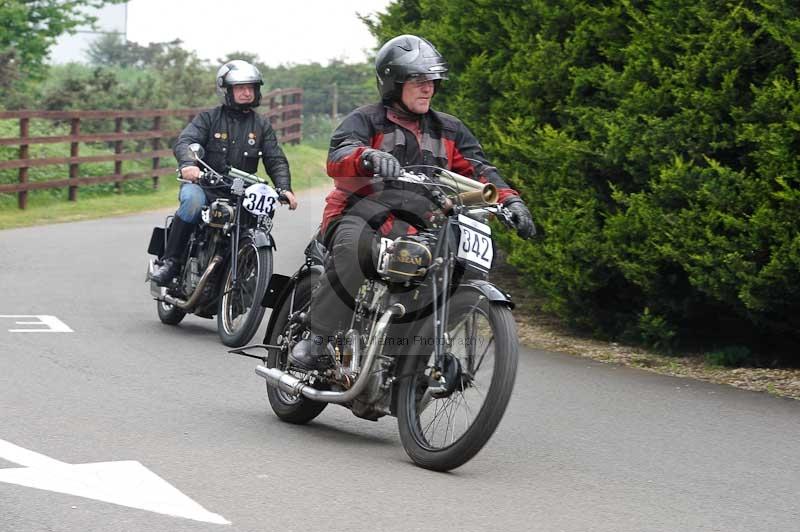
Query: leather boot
(166,272)
(177,240)
(311,353)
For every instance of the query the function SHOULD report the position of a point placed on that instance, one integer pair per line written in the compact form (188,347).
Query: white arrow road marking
(51,323)
(127,483)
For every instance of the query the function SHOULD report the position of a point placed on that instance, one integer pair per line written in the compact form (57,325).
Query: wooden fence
(284,108)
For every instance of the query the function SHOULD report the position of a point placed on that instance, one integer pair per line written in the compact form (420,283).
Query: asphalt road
(584,446)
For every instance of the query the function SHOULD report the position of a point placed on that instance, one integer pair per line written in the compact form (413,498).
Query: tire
(169,314)
(490,325)
(239,313)
(295,409)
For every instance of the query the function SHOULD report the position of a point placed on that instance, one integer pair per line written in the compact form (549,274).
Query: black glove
(380,163)
(521,217)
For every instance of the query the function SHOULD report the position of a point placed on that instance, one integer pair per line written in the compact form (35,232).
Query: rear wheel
(443,427)
(296,409)
(240,310)
(169,314)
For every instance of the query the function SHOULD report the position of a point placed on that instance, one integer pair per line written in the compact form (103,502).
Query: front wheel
(240,310)
(443,427)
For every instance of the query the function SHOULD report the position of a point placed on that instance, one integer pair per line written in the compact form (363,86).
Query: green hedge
(657,145)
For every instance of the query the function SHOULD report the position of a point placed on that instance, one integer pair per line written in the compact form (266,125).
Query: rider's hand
(291,200)
(380,163)
(521,217)
(190,173)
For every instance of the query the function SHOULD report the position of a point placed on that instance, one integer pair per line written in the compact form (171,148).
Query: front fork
(441,339)
(237,188)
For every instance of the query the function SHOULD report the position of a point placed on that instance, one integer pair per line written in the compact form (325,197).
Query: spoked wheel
(444,426)
(240,310)
(169,314)
(290,408)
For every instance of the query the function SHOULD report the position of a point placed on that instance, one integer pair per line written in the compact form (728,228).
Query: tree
(30,28)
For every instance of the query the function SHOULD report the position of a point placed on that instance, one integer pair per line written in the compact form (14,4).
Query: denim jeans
(192,198)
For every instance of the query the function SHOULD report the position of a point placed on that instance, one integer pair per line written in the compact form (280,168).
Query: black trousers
(353,246)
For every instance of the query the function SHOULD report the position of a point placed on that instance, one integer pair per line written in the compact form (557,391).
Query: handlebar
(466,202)
(237,179)
(212,178)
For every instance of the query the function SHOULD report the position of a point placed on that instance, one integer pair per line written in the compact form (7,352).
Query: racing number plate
(260,199)
(475,246)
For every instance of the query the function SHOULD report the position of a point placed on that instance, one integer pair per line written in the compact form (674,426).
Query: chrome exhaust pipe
(292,385)
(189,305)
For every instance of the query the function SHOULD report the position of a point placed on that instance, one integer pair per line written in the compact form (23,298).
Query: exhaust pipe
(292,385)
(198,291)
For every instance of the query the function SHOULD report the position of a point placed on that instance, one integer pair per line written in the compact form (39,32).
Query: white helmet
(238,72)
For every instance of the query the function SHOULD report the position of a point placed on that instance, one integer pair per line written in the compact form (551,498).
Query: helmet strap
(404,109)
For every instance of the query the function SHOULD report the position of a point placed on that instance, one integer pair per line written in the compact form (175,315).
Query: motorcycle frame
(441,271)
(260,232)
(286,286)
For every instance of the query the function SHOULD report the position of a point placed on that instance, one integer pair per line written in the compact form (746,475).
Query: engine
(218,214)
(407,259)
(201,252)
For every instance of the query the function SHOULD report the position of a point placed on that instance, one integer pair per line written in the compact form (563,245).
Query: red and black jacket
(432,139)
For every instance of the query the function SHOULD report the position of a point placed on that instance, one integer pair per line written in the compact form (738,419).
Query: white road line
(51,323)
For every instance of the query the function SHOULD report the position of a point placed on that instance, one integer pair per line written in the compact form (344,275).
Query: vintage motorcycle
(431,341)
(228,263)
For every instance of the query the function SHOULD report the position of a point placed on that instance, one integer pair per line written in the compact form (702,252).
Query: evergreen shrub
(657,144)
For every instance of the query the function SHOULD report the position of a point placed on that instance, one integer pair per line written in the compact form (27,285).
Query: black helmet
(403,58)
(238,72)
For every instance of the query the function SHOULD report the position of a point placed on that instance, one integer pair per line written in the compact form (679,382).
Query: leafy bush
(657,145)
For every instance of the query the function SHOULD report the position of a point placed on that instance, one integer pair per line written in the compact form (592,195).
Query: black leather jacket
(234,138)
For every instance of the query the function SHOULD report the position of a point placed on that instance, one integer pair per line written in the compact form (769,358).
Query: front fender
(262,239)
(489,291)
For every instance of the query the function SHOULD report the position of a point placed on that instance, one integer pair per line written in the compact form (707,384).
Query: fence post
(156,146)
(298,99)
(22,196)
(117,151)
(73,152)
(286,115)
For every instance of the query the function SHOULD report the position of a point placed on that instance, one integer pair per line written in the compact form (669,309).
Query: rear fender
(283,288)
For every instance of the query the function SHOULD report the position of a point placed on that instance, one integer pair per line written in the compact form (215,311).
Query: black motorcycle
(431,341)
(228,263)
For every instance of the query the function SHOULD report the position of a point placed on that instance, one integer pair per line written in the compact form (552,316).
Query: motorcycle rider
(378,140)
(232,134)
